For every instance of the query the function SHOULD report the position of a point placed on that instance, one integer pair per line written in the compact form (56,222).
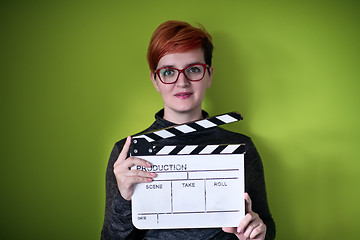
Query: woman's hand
(251,226)
(125,177)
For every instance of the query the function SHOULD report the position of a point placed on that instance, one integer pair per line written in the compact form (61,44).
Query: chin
(183,106)
(184,109)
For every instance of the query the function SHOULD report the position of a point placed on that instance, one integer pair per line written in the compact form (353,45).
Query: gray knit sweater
(118,223)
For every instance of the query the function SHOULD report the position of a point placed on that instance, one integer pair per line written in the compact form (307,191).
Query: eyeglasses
(194,72)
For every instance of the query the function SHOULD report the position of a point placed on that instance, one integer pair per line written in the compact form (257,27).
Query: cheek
(164,89)
(204,86)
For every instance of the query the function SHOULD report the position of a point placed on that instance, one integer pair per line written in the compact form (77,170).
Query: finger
(248,203)
(251,227)
(261,229)
(137,179)
(132,179)
(229,229)
(125,149)
(139,173)
(134,161)
(245,222)
(126,179)
(123,174)
(123,168)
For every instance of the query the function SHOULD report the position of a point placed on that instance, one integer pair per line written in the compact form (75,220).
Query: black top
(118,223)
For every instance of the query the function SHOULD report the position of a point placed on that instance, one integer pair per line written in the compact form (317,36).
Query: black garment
(118,223)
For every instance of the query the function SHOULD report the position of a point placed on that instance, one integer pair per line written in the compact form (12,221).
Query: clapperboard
(197,186)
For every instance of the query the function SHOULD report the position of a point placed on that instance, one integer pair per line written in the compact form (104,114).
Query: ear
(210,76)
(155,83)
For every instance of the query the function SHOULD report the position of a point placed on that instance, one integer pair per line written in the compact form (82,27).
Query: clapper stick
(142,144)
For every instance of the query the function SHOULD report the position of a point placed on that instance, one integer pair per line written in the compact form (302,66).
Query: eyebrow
(172,66)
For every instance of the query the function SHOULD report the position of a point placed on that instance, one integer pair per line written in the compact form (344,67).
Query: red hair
(175,37)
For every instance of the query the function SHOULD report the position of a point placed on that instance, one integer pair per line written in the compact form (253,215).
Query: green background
(74,80)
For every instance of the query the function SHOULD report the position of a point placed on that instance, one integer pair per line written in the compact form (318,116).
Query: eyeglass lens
(193,73)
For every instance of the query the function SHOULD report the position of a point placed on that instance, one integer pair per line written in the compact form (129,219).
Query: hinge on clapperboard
(142,144)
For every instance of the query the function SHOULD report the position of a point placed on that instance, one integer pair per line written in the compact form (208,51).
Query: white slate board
(191,191)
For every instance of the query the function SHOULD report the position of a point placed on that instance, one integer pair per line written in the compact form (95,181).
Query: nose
(182,80)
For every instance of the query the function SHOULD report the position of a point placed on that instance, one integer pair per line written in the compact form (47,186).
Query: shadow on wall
(231,91)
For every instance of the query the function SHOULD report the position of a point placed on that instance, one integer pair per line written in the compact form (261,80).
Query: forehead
(183,59)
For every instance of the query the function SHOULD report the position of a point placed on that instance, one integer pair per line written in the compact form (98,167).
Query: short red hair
(175,37)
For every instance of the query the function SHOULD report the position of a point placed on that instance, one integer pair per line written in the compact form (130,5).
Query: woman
(179,58)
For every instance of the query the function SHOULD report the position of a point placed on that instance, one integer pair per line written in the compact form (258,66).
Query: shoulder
(119,144)
(232,135)
(225,136)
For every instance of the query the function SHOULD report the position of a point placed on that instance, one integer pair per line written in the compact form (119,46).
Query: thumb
(248,203)
(123,154)
(125,150)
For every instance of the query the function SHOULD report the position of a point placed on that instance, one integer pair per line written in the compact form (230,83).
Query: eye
(193,69)
(167,72)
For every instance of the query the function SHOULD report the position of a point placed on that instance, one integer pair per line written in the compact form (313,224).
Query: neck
(182,117)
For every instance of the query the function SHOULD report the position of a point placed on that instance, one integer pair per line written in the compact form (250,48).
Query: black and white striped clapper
(142,144)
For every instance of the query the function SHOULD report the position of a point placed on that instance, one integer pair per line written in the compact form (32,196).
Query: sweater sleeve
(255,187)
(117,221)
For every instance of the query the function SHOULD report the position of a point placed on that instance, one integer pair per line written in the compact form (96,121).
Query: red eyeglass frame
(182,71)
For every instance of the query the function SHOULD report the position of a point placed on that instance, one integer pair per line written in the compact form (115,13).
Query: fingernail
(150,179)
(238,229)
(153,174)
(148,164)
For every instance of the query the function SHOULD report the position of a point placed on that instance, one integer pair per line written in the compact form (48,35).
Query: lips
(183,95)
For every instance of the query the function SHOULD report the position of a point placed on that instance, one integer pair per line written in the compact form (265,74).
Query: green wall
(74,80)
